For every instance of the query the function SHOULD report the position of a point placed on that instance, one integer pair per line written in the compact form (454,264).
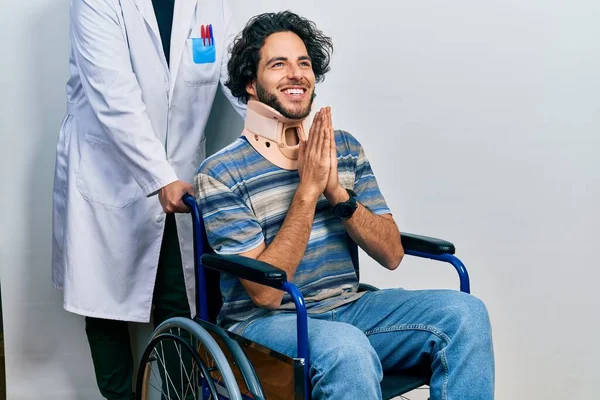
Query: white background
(481,121)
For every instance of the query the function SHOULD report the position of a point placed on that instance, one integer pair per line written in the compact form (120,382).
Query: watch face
(343,210)
(346,209)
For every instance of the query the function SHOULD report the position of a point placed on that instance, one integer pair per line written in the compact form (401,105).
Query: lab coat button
(160,217)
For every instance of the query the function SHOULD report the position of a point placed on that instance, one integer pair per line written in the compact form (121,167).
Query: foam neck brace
(274,136)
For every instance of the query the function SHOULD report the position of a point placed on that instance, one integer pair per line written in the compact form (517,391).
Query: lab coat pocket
(201,53)
(103,177)
(200,66)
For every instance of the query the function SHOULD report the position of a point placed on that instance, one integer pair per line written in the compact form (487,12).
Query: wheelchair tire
(182,361)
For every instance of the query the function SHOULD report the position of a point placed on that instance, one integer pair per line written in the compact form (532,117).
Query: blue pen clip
(212,38)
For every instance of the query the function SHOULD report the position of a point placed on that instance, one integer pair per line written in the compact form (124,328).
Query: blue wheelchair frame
(260,272)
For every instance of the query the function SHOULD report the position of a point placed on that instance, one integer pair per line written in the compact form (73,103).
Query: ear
(251,89)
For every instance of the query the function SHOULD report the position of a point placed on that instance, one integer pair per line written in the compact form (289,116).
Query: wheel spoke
(166,373)
(195,353)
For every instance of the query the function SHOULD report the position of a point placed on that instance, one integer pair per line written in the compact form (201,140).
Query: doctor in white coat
(144,74)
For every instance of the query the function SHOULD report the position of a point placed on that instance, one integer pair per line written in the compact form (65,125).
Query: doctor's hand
(170,197)
(314,156)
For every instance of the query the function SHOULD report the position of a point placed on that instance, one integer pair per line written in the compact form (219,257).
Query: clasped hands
(317,161)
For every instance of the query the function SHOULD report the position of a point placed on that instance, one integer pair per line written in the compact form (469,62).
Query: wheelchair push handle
(199,273)
(190,201)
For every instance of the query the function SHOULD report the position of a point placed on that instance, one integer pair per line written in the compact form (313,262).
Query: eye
(277,64)
(305,64)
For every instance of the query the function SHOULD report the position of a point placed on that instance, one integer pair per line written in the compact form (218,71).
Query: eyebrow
(272,60)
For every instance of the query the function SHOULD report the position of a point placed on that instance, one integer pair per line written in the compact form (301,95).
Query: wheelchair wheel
(183,362)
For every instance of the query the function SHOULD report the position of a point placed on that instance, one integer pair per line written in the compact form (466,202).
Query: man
(143,79)
(294,211)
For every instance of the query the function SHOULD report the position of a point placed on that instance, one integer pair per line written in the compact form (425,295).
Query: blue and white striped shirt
(244,200)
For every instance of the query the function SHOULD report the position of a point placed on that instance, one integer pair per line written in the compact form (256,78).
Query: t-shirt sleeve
(230,225)
(366,187)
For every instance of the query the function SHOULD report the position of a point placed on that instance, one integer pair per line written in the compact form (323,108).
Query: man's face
(285,79)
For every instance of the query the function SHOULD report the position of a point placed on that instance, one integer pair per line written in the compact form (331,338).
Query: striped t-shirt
(244,199)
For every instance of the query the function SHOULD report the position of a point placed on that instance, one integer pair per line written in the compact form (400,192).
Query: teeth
(294,91)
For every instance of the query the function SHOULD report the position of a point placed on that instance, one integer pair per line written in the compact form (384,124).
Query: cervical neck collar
(274,136)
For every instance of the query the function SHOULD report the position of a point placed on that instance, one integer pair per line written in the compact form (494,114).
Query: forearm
(377,235)
(287,248)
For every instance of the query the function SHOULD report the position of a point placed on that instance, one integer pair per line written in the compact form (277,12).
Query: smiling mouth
(296,92)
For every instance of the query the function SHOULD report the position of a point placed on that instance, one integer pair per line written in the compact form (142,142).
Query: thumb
(302,149)
(333,146)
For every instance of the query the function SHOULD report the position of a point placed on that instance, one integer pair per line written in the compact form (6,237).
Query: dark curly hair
(245,52)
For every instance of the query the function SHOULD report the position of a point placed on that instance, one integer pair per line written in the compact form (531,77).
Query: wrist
(307,193)
(338,195)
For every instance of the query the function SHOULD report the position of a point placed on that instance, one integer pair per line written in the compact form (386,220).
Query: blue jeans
(351,347)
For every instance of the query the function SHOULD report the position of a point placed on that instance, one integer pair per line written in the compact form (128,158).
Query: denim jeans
(390,330)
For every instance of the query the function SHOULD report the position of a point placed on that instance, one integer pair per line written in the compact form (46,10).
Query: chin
(298,114)
(297,109)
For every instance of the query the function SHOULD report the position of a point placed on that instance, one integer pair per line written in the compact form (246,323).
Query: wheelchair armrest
(424,244)
(246,268)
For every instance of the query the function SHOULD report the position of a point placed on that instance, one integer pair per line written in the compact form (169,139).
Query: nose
(294,72)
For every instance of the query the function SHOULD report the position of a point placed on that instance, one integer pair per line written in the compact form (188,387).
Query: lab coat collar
(147,10)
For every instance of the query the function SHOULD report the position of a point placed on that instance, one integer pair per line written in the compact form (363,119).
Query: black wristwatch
(345,209)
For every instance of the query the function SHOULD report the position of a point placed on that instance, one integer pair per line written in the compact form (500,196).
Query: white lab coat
(132,126)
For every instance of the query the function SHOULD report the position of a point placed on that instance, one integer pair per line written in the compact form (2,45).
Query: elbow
(270,301)
(273,305)
(395,258)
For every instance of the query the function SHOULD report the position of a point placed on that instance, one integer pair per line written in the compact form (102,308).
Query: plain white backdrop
(481,120)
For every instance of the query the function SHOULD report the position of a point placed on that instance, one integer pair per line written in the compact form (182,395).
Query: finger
(321,139)
(187,189)
(313,127)
(180,207)
(323,128)
(318,125)
(301,155)
(325,135)
(314,140)
(301,149)
(328,120)
(333,145)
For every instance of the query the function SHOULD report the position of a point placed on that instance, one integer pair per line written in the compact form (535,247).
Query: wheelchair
(196,359)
